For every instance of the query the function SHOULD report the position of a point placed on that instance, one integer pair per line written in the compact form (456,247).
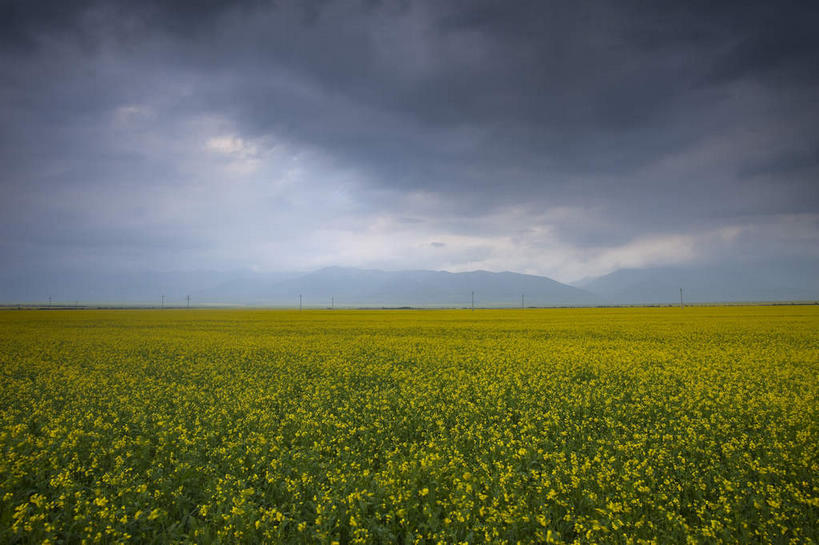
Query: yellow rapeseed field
(653,425)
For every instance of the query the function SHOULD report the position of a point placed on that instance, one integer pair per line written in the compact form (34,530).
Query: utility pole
(163,302)
(49,301)
(473,301)
(189,301)
(522,306)
(332,303)
(299,302)
(681,299)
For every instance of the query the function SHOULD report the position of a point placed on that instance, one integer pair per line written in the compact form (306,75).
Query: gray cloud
(216,135)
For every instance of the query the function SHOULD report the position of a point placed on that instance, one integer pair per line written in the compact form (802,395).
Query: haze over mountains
(366,287)
(782,281)
(351,287)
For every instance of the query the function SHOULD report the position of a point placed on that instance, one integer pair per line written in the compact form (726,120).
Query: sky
(568,139)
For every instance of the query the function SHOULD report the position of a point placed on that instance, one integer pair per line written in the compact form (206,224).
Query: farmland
(655,425)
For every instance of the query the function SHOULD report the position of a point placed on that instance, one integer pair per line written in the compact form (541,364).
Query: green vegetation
(578,426)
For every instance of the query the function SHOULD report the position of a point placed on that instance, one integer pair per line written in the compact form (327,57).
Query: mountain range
(351,287)
(731,283)
(367,287)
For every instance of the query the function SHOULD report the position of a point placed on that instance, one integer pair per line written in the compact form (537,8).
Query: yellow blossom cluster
(627,426)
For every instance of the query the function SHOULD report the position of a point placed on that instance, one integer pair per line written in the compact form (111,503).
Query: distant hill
(784,281)
(363,287)
(351,287)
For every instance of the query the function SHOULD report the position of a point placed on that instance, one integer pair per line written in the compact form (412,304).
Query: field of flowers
(548,426)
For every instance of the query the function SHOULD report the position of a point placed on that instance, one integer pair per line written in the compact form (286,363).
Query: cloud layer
(559,139)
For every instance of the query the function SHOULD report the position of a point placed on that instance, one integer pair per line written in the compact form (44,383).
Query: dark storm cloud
(655,118)
(508,99)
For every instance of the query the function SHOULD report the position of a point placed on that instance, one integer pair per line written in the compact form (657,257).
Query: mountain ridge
(354,287)
(347,286)
(796,280)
